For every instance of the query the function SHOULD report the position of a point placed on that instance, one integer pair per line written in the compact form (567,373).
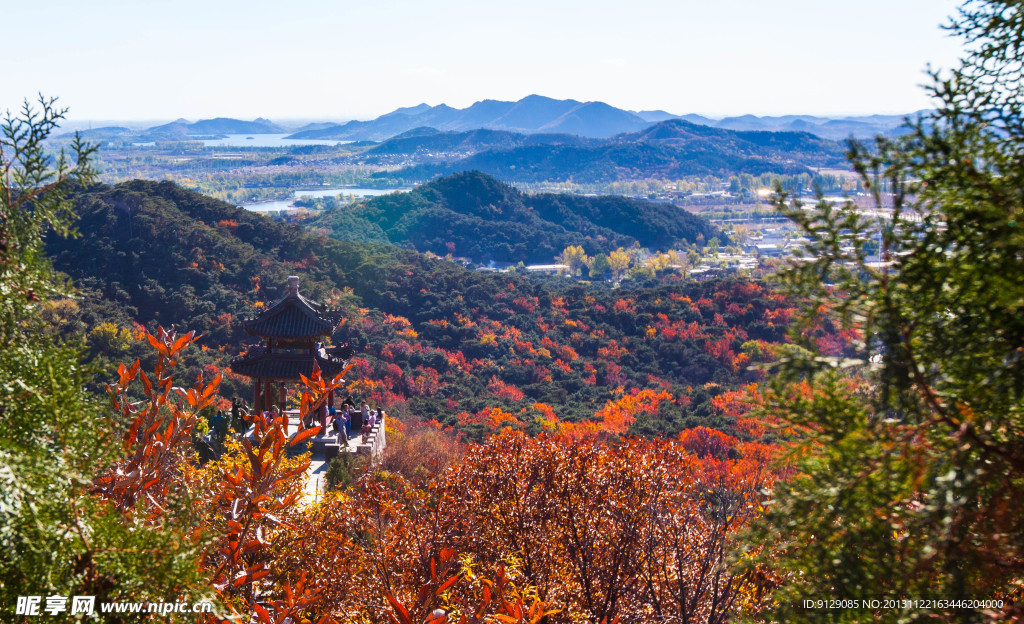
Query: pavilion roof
(259,362)
(293,317)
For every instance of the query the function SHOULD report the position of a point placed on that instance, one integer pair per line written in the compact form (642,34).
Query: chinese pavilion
(291,331)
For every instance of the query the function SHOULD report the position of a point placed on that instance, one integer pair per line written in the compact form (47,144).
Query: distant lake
(265,140)
(288,204)
(256,140)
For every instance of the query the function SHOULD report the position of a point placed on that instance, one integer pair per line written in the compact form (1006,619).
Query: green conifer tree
(56,538)
(909,464)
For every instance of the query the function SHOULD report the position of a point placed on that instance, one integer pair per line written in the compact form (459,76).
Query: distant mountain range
(183,130)
(220,125)
(531,114)
(862,127)
(534,114)
(669,149)
(538,114)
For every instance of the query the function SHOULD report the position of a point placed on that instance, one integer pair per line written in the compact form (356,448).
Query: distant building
(768,249)
(549,269)
(703,273)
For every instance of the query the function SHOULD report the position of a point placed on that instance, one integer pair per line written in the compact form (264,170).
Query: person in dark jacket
(357,421)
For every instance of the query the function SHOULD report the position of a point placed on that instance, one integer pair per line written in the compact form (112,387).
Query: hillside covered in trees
(424,141)
(474,215)
(109,499)
(436,341)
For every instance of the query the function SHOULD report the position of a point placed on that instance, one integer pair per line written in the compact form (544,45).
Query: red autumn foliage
(504,391)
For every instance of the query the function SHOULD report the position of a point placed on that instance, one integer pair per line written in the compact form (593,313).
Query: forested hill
(472,350)
(474,215)
(420,141)
(671,149)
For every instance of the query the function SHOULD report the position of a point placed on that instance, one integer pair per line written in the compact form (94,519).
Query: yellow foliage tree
(619,261)
(575,258)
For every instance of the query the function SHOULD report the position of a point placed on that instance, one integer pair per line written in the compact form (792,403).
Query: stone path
(317,481)
(318,461)
(329,445)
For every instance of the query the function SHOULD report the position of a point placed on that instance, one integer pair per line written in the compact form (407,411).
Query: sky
(338,59)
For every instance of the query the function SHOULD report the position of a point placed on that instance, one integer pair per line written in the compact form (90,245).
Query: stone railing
(373,443)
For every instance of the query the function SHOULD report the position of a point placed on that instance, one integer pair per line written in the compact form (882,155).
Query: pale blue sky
(153,59)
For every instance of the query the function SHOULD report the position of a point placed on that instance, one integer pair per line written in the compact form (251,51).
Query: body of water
(289,204)
(264,140)
(256,140)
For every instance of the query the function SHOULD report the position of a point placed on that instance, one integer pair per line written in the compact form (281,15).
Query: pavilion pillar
(281,395)
(257,396)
